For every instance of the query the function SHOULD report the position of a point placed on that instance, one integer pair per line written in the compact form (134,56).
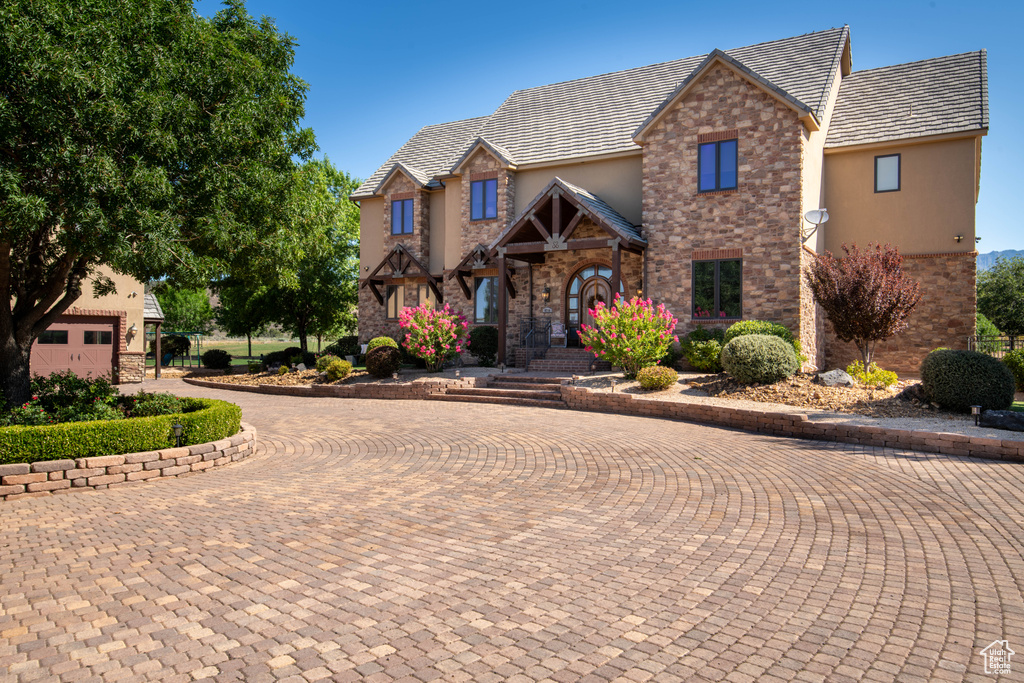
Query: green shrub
(381,341)
(959,379)
(288,356)
(986,328)
(204,420)
(657,377)
(283,370)
(65,389)
(338,369)
(759,358)
(874,376)
(483,343)
(745,327)
(672,356)
(255,367)
(144,404)
(346,346)
(383,361)
(323,361)
(217,359)
(1015,361)
(703,347)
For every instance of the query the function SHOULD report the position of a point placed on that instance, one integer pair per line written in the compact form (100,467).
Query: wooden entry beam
(502,306)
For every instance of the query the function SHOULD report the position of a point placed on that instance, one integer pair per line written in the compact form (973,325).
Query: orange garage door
(84,345)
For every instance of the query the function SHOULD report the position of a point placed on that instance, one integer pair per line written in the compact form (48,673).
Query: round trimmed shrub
(217,359)
(323,361)
(338,369)
(1015,361)
(958,380)
(759,358)
(377,342)
(657,377)
(745,327)
(703,348)
(383,361)
(483,342)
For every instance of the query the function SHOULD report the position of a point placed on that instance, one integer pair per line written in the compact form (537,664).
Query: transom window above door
(483,199)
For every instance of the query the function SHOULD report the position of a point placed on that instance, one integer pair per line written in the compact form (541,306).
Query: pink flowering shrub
(434,335)
(630,335)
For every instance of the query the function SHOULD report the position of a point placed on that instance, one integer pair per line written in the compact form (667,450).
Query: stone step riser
(532,392)
(516,379)
(526,402)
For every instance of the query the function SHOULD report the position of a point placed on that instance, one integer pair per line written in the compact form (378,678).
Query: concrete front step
(502,400)
(508,390)
(519,379)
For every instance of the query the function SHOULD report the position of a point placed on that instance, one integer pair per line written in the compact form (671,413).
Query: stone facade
(483,166)
(418,243)
(945,316)
(131,367)
(759,221)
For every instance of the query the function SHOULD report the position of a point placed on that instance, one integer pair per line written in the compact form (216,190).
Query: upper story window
(716,166)
(486,293)
(395,301)
(483,199)
(401,217)
(887,173)
(718,289)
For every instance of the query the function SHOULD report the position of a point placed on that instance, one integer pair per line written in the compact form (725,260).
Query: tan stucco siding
(453,249)
(371,234)
(812,185)
(127,298)
(617,181)
(438,232)
(935,203)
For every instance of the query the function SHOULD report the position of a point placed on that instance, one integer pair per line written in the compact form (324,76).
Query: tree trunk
(301,329)
(248,338)
(15,376)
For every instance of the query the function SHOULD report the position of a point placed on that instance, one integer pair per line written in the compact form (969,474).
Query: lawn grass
(1018,406)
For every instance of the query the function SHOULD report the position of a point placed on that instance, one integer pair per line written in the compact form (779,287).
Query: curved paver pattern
(417,541)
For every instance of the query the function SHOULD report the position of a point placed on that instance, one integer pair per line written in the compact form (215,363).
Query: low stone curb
(398,390)
(27,480)
(793,424)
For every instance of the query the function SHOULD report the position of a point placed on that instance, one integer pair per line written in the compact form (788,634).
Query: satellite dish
(816,216)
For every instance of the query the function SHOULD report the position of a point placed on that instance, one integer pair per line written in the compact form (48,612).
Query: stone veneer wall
(24,480)
(946,315)
(483,166)
(759,220)
(131,367)
(401,187)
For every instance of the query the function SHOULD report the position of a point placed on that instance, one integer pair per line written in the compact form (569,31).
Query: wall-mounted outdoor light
(546,294)
(958,239)
(640,288)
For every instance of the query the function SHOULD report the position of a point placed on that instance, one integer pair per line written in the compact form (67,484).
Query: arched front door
(588,286)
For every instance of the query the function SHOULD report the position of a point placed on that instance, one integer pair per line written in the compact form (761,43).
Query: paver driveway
(416,541)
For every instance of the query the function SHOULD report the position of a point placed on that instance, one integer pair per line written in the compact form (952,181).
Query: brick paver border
(26,480)
(761,421)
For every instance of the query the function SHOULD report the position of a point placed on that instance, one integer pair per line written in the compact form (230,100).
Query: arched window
(588,286)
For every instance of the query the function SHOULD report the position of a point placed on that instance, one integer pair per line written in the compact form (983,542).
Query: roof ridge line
(916,61)
(844,39)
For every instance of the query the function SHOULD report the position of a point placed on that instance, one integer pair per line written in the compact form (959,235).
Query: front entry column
(502,306)
(616,270)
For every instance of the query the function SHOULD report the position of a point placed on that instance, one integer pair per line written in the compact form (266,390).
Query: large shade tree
(244,310)
(140,135)
(1001,295)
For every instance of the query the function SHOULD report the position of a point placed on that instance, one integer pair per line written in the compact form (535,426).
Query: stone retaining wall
(397,390)
(24,480)
(793,424)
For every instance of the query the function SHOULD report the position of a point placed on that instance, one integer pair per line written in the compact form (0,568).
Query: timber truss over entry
(480,257)
(400,261)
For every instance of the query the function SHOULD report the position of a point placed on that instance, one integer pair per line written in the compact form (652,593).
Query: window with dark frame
(717,164)
(98,337)
(486,300)
(718,289)
(887,173)
(53,337)
(401,217)
(395,301)
(483,199)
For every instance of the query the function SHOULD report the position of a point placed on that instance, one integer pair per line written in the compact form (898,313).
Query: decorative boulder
(301,367)
(836,378)
(1003,419)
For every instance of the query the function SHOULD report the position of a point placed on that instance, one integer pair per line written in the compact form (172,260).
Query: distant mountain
(986,261)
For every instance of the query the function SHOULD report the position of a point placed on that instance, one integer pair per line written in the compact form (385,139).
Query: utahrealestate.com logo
(997,657)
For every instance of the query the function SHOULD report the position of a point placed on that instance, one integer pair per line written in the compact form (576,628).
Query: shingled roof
(930,97)
(598,114)
(428,153)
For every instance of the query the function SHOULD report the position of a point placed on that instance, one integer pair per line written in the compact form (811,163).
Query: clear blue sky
(379,71)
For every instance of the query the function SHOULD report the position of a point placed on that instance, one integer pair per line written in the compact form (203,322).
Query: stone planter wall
(396,390)
(24,480)
(793,424)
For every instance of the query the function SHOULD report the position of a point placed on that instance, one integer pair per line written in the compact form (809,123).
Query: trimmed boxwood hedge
(210,420)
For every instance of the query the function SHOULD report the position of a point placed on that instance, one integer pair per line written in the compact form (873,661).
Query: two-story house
(687,181)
